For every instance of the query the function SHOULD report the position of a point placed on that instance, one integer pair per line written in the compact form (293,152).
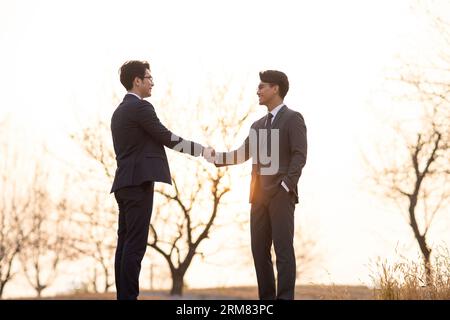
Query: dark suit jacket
(292,154)
(139,139)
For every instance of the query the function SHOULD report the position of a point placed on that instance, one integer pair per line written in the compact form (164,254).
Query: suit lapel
(279,115)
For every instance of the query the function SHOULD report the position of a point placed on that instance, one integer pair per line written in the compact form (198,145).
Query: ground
(303,292)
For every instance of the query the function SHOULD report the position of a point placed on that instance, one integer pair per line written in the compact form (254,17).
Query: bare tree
(416,176)
(96,237)
(12,205)
(46,245)
(197,198)
(96,240)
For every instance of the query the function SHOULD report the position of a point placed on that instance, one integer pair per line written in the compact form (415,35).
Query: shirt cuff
(284,186)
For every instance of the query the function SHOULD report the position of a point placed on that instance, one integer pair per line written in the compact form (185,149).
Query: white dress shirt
(275,111)
(134,94)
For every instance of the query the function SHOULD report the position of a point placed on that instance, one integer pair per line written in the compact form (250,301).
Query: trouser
(135,210)
(272,221)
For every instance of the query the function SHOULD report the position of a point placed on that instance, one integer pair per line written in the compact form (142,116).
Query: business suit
(139,139)
(272,209)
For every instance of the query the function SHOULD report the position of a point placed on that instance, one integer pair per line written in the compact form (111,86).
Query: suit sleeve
(238,156)
(298,149)
(149,121)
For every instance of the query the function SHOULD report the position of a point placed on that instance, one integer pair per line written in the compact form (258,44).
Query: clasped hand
(209,154)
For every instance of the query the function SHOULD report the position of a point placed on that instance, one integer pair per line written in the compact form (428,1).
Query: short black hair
(132,69)
(276,77)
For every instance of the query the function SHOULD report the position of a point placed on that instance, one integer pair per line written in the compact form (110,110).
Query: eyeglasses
(148,77)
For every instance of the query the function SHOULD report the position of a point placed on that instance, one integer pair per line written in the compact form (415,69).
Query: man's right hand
(209,154)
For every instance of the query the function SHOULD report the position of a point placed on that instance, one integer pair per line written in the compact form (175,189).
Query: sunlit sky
(59,62)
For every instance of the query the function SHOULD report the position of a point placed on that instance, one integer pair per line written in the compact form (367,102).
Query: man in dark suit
(277,144)
(139,139)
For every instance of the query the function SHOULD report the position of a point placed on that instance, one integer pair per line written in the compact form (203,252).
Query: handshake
(209,154)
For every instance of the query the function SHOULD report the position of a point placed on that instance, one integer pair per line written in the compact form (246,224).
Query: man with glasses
(139,139)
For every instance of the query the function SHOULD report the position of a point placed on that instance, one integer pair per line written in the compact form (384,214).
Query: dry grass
(405,280)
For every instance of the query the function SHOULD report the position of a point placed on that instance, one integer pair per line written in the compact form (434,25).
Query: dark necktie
(268,127)
(269,120)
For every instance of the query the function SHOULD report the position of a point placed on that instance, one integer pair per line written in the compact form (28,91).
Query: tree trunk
(427,264)
(426,254)
(421,240)
(177,284)
(39,289)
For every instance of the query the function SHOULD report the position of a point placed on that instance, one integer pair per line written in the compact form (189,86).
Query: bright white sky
(59,62)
